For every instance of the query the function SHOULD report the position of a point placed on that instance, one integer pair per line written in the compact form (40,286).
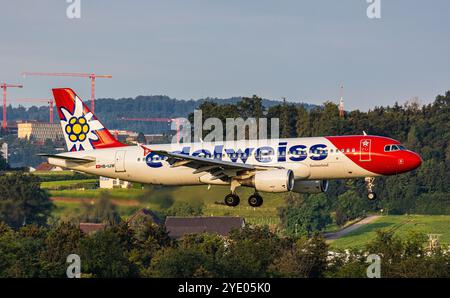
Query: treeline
(155,106)
(145,250)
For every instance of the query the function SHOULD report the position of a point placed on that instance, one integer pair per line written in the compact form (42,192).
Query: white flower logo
(79,128)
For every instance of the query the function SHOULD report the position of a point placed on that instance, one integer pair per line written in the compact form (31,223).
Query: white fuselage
(316,158)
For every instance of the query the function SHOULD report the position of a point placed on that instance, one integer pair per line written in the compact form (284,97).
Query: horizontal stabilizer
(68,158)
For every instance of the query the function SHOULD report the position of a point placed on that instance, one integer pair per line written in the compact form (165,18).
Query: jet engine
(271,181)
(310,186)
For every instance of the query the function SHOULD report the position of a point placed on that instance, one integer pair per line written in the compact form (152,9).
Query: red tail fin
(81,129)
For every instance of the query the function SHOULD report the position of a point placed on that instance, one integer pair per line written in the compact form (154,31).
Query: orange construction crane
(176,120)
(5,86)
(91,76)
(49,101)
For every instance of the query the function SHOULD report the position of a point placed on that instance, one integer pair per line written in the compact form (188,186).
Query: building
(109,183)
(125,135)
(156,139)
(46,167)
(178,227)
(4,151)
(39,131)
(144,215)
(90,228)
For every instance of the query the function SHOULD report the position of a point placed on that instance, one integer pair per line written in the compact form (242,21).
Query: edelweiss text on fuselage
(264,154)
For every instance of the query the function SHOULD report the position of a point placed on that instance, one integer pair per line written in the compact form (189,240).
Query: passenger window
(387,148)
(353,150)
(394,148)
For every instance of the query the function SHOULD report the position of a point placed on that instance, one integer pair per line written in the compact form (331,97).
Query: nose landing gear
(370,185)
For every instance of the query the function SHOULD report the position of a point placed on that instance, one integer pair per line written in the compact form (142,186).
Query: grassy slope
(267,214)
(51,184)
(402,225)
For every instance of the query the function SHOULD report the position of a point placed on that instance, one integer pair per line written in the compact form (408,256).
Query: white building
(109,183)
(4,151)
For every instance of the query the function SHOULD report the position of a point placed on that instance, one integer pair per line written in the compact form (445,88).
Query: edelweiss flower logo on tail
(79,127)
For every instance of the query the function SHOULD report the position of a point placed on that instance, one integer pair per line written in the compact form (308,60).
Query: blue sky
(301,50)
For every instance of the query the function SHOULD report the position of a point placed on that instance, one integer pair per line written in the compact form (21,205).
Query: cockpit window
(389,148)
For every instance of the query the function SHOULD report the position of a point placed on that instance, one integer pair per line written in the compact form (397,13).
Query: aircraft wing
(68,158)
(220,169)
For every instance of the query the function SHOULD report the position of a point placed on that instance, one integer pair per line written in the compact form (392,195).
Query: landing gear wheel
(232,200)
(255,200)
(370,185)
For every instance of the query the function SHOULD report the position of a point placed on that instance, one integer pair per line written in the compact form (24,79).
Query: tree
(147,239)
(4,166)
(307,217)
(103,255)
(141,138)
(182,208)
(104,211)
(350,206)
(249,252)
(302,125)
(307,258)
(22,201)
(62,240)
(176,263)
(19,252)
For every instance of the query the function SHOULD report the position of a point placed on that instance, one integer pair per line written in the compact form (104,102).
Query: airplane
(302,165)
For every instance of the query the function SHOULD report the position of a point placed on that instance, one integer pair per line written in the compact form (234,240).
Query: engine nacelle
(271,181)
(310,186)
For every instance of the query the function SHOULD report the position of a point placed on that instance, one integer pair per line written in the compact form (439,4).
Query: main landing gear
(370,185)
(232,200)
(255,200)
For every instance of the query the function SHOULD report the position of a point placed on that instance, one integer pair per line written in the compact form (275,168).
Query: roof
(89,228)
(45,166)
(144,214)
(220,225)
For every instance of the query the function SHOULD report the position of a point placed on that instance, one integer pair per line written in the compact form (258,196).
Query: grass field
(401,225)
(266,214)
(55,184)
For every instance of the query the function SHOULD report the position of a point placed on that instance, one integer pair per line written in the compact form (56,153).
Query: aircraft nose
(413,161)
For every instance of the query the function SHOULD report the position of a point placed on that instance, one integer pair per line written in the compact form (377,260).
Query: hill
(110,110)
(401,225)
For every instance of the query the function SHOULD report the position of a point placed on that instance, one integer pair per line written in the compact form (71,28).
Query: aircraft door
(365,149)
(120,161)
